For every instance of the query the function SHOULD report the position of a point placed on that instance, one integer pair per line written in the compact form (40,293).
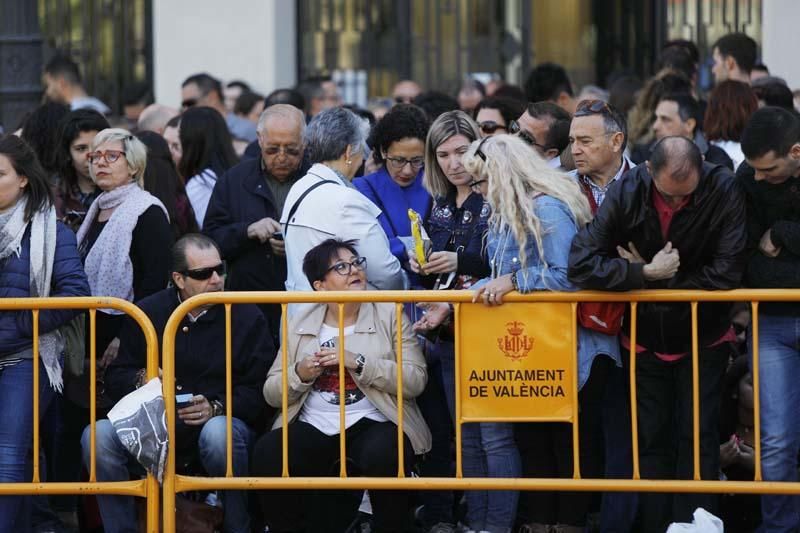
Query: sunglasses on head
(587,108)
(490,126)
(205,273)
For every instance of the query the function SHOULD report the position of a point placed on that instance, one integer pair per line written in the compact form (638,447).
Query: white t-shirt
(321,408)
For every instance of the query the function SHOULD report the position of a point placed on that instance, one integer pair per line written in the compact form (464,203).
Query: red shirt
(665,211)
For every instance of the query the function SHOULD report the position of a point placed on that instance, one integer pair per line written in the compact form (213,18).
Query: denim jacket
(558,227)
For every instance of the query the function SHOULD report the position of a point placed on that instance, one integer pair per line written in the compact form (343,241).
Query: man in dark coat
(675,223)
(247,202)
(200,373)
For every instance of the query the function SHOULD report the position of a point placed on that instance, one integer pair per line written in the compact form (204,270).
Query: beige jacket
(375,338)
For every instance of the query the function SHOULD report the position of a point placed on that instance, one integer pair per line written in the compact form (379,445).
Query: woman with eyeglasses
(38,258)
(207,153)
(398,146)
(126,237)
(370,396)
(495,115)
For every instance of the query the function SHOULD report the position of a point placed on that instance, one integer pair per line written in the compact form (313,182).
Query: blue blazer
(394,201)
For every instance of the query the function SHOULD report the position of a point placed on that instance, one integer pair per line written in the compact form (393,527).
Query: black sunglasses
(205,273)
(478,150)
(738,328)
(490,126)
(189,102)
(515,129)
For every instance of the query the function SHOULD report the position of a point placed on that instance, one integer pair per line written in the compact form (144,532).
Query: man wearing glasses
(199,375)
(247,202)
(545,126)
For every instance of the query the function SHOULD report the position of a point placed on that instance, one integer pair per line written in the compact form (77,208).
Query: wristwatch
(360,361)
(217,409)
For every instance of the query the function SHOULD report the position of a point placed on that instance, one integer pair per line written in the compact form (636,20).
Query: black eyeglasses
(344,268)
(515,129)
(476,185)
(398,163)
(205,273)
(478,150)
(490,126)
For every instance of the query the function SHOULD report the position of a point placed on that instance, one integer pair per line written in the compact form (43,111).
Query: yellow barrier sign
(517,361)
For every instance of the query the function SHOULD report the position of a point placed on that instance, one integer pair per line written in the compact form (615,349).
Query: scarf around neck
(108,264)
(13,227)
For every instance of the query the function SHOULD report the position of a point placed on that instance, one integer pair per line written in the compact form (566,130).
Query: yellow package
(420,236)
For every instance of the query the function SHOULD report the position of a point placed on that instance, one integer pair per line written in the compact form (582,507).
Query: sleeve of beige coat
(381,373)
(272,387)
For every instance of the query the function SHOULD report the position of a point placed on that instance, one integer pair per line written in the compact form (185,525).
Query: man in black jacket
(675,223)
(770,178)
(247,202)
(199,372)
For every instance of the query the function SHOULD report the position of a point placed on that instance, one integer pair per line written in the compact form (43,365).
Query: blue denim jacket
(558,227)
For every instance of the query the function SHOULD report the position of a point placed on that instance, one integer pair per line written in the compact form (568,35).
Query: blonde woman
(536,211)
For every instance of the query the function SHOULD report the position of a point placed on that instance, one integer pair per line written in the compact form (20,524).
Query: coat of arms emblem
(515,344)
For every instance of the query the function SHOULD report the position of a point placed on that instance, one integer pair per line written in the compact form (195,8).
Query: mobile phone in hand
(278,236)
(183,400)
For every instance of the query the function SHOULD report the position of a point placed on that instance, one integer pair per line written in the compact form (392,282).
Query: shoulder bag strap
(296,205)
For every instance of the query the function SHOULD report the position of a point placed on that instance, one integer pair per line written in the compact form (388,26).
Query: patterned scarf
(108,264)
(42,254)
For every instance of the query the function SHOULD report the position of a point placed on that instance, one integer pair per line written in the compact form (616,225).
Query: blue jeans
(779,370)
(16,430)
(489,450)
(113,461)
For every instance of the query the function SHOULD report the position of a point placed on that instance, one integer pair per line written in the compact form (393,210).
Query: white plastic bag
(704,522)
(141,425)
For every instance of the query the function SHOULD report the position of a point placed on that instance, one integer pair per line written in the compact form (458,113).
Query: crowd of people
(643,185)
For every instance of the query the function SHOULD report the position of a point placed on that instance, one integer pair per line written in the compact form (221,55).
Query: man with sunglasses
(205,90)
(676,222)
(545,126)
(200,374)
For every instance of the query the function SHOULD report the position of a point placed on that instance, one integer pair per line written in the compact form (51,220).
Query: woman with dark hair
(207,153)
(75,190)
(40,131)
(38,258)
(371,388)
(494,115)
(161,179)
(730,105)
(398,147)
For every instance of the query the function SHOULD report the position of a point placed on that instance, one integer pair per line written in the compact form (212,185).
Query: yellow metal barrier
(178,483)
(146,488)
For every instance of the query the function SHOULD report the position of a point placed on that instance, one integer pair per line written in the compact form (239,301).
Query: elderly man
(155,118)
(598,135)
(247,202)
(199,371)
(674,223)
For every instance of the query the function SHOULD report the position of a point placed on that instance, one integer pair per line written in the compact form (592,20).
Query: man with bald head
(675,222)
(155,117)
(247,203)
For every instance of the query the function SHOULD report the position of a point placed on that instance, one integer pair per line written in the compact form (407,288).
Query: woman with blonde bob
(536,211)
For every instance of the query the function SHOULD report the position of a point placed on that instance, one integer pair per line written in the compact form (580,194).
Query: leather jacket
(709,233)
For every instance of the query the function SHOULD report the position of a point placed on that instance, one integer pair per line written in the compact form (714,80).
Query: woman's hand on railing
(492,293)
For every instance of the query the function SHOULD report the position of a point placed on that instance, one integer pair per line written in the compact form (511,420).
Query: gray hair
(284,111)
(135,151)
(330,133)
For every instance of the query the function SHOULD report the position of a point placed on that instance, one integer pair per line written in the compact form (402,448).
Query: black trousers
(546,452)
(664,401)
(371,452)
